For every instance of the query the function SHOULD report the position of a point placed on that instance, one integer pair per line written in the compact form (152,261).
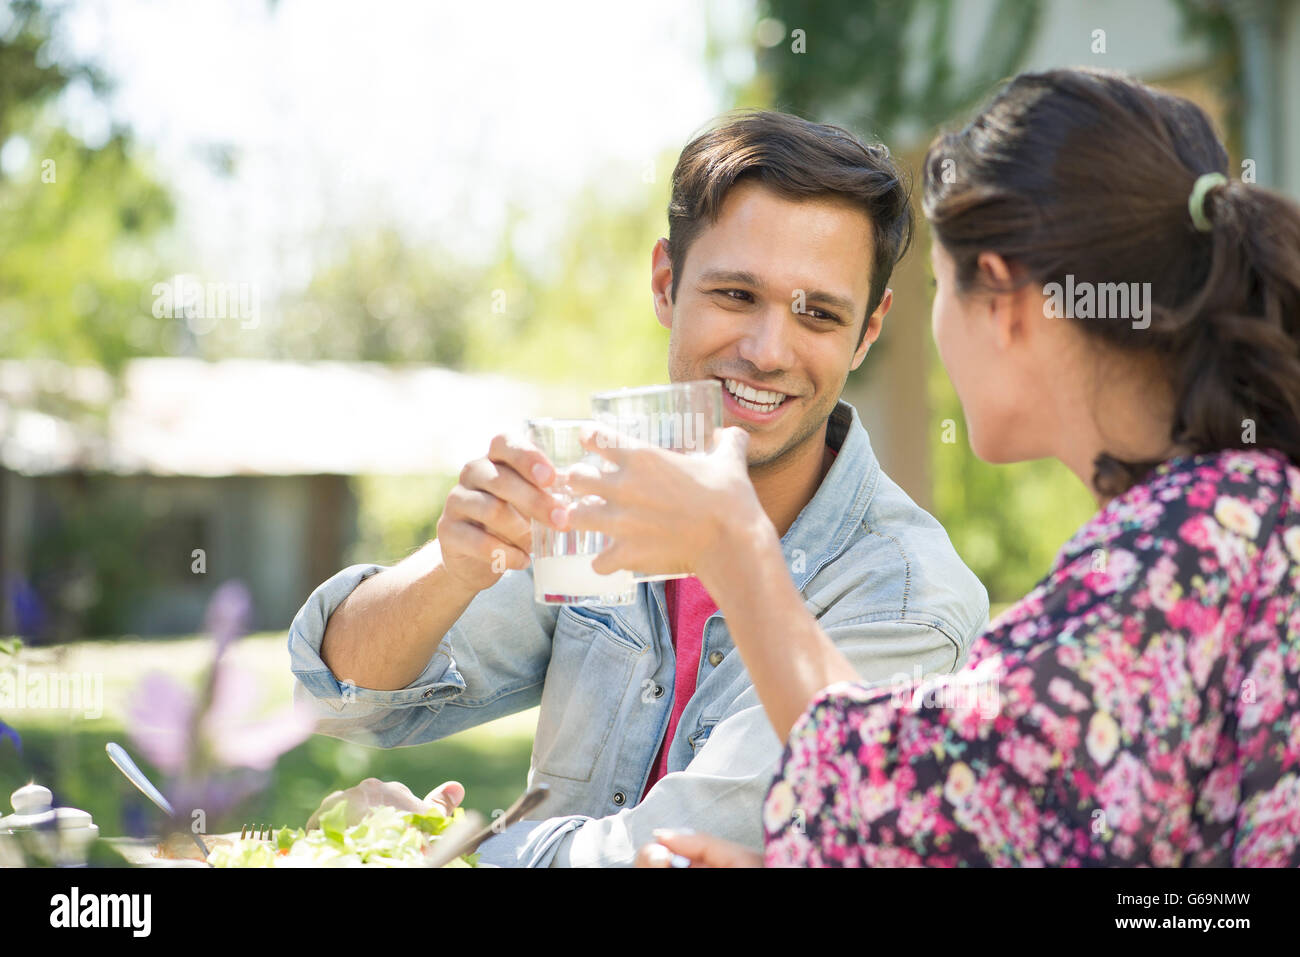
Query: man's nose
(768,342)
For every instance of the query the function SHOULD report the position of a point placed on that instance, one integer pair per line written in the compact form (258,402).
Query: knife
(133,774)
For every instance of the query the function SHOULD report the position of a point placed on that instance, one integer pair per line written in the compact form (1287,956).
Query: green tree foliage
(383,300)
(76,221)
(870,65)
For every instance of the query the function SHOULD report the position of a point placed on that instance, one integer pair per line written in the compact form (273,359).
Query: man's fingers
(471,540)
(523,457)
(446,796)
(497,517)
(509,485)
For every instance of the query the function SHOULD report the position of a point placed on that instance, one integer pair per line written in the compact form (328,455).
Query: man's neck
(785,487)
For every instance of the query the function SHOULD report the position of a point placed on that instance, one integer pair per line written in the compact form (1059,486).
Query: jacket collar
(826,524)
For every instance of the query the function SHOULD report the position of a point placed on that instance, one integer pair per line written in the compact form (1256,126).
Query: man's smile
(749,403)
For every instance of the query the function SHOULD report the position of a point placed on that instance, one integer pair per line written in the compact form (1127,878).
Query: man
(773,279)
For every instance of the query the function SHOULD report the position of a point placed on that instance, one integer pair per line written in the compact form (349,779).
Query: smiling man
(773,279)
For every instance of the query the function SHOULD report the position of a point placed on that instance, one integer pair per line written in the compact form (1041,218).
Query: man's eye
(818,314)
(740,295)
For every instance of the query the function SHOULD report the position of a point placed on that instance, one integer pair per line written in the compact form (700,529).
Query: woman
(1148,689)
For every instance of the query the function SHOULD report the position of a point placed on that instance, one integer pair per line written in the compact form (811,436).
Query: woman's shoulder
(1196,527)
(1249,494)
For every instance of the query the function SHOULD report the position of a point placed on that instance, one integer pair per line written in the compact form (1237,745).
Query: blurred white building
(247,460)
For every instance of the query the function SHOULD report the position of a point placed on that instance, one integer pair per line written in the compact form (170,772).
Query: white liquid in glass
(573,575)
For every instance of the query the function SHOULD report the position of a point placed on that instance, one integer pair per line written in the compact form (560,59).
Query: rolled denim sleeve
(490,663)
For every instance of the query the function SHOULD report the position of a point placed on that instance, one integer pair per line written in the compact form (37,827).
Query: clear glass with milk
(562,572)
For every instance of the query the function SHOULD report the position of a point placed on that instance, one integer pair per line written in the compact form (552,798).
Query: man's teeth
(760,400)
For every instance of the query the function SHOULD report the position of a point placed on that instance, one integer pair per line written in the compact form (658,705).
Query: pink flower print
(1029,756)
(1220,795)
(1262,692)
(1198,532)
(1119,795)
(1201,742)
(1201,495)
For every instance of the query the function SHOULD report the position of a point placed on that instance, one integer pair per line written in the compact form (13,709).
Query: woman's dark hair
(798,159)
(1088,173)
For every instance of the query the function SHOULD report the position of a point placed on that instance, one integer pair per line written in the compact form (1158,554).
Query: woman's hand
(665,512)
(700,850)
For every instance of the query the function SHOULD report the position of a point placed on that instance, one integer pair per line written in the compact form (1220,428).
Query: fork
(255,832)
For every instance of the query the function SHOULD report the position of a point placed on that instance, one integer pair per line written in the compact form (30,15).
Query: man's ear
(1008,319)
(874,323)
(661,283)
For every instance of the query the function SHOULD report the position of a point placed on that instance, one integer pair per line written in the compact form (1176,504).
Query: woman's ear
(1006,307)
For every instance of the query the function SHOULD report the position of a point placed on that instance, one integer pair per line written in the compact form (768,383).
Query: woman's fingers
(705,850)
(734,441)
(656,855)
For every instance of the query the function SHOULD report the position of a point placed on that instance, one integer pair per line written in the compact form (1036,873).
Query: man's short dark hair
(798,159)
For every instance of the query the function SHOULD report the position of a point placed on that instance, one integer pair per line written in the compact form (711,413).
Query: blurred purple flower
(229,612)
(159,721)
(242,741)
(8,732)
(212,744)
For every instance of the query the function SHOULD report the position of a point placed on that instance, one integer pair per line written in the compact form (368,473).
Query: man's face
(735,316)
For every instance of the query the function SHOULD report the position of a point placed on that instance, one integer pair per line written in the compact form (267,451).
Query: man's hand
(373,793)
(485,529)
(701,850)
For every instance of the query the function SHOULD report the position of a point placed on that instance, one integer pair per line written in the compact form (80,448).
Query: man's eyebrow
(730,275)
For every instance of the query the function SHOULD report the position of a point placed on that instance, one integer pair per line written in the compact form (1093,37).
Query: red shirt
(689,607)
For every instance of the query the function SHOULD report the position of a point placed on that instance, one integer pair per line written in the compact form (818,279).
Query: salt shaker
(61,834)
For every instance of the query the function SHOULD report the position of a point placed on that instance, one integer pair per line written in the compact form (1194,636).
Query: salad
(385,837)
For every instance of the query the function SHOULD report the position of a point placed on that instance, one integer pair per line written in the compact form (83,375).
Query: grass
(64,749)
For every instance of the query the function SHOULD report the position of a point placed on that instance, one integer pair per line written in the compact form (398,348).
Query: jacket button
(619,798)
(659,691)
(428,694)
(715,658)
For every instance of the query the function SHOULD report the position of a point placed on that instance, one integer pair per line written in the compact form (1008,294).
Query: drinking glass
(562,572)
(682,416)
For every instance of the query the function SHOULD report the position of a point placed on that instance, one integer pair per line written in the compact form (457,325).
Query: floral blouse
(1141,706)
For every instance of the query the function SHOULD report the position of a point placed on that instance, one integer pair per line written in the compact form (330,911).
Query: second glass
(682,416)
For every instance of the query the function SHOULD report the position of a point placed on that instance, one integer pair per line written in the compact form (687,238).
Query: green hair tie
(1196,202)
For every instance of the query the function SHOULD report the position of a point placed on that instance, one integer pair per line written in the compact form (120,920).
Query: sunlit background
(271,272)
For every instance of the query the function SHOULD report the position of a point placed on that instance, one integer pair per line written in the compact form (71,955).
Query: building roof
(261,417)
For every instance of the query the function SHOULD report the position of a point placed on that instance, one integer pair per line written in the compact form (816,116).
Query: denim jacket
(876,570)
